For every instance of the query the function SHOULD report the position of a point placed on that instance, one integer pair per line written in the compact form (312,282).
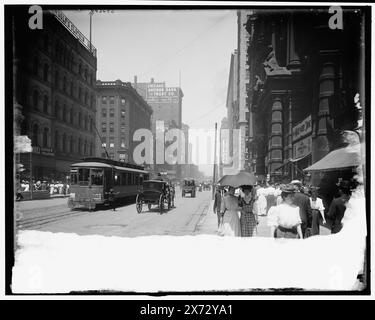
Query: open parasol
(240,179)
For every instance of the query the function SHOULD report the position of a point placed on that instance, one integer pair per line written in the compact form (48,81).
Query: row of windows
(61,112)
(63,84)
(111,143)
(122,157)
(66,57)
(127,178)
(84,176)
(112,127)
(61,142)
(111,100)
(112,113)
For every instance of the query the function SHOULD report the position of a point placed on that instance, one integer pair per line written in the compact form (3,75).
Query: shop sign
(302,148)
(302,129)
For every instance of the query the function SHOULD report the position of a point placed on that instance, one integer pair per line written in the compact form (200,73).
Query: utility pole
(100,138)
(214,174)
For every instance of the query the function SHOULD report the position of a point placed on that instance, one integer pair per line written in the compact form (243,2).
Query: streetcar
(93,178)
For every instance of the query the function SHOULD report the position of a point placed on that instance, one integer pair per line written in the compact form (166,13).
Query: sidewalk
(209,224)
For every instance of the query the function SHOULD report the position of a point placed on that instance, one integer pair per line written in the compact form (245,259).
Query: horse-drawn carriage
(155,192)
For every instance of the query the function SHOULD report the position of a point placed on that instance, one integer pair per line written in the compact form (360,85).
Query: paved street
(191,216)
(54,215)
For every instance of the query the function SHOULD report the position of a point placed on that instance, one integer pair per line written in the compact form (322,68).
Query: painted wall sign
(302,129)
(302,148)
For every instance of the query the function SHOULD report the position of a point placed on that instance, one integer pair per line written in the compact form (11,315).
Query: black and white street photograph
(182,148)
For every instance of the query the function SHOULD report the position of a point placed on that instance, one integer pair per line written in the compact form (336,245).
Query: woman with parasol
(231,222)
(249,212)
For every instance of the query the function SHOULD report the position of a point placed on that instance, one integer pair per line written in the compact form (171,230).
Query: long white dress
(262,202)
(231,221)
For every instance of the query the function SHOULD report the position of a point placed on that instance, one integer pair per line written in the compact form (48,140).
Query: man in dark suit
(338,206)
(303,202)
(217,205)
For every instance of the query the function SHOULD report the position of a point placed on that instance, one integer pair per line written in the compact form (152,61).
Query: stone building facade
(304,76)
(56,73)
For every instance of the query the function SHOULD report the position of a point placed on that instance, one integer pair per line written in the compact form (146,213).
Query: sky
(162,44)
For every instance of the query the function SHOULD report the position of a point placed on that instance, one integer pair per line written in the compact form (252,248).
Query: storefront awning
(292,161)
(339,159)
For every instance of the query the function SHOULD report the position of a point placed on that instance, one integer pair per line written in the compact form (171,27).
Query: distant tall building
(166,103)
(54,74)
(121,111)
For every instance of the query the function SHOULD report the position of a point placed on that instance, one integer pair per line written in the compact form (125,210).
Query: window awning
(292,161)
(343,158)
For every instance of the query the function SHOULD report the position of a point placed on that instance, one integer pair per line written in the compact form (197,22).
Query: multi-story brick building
(55,77)
(121,111)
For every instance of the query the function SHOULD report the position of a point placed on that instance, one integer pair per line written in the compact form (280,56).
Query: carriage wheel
(149,207)
(139,204)
(161,204)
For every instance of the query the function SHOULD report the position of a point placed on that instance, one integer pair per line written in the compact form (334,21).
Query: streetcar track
(40,221)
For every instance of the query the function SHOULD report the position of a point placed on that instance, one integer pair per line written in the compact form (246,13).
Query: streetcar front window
(96,177)
(73,178)
(83,176)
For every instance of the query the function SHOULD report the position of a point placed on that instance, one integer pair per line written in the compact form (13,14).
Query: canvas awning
(343,158)
(291,161)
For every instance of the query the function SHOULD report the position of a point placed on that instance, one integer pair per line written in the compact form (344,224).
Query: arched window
(64,115)
(46,42)
(57,79)
(71,115)
(71,89)
(71,147)
(85,148)
(35,133)
(45,137)
(64,84)
(80,94)
(45,72)
(79,119)
(45,104)
(64,143)
(35,66)
(79,146)
(35,99)
(85,74)
(57,108)
(86,98)
(57,140)
(86,122)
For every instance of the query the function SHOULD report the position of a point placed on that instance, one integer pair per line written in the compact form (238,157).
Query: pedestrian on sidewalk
(317,211)
(337,208)
(249,212)
(284,219)
(262,201)
(217,205)
(303,202)
(111,198)
(231,221)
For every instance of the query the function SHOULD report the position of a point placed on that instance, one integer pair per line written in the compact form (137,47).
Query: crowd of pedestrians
(53,187)
(291,210)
